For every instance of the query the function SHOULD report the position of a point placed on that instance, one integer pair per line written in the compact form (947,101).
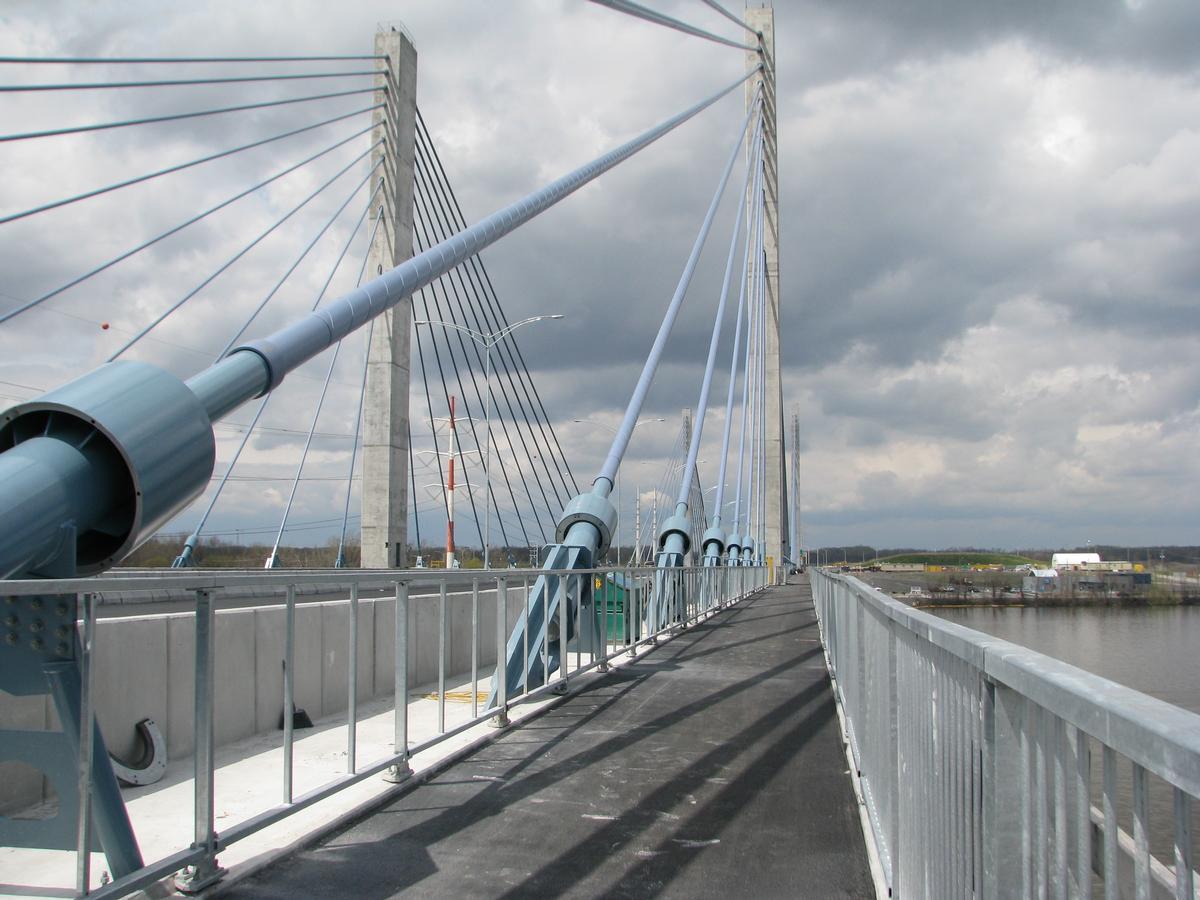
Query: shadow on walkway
(710,768)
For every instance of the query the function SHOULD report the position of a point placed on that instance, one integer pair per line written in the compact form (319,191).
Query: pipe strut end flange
(597,511)
(144,436)
(716,536)
(676,525)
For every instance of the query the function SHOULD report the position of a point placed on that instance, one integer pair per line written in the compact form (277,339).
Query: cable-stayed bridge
(381,352)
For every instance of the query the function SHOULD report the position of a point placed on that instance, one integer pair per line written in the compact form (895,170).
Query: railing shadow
(400,858)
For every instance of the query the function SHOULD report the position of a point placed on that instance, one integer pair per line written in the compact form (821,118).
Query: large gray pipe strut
(585,528)
(129,445)
(675,539)
(584,534)
(91,469)
(733,550)
(297,343)
(714,541)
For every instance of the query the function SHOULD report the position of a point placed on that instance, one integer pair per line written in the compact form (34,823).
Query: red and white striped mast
(450,495)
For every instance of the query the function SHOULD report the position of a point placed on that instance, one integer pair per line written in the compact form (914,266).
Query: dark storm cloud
(918,405)
(1155,34)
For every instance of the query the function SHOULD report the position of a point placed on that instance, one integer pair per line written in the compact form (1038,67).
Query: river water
(1155,650)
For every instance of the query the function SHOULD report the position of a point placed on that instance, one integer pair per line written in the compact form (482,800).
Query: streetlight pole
(487,340)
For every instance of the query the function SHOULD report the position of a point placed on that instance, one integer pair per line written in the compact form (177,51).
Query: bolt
(37,626)
(11,621)
(37,643)
(62,649)
(12,639)
(62,609)
(36,603)
(62,631)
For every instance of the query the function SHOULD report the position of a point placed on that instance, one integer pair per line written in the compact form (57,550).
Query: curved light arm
(474,335)
(497,336)
(489,339)
(612,430)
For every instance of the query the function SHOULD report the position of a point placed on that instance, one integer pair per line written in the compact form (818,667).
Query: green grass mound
(958,560)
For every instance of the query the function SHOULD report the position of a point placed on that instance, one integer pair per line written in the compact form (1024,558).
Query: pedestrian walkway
(711,767)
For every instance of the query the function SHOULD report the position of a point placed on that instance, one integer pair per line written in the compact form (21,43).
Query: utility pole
(654,519)
(450,492)
(385,411)
(762,20)
(637,527)
(687,446)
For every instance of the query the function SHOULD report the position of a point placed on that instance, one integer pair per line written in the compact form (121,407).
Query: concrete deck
(712,767)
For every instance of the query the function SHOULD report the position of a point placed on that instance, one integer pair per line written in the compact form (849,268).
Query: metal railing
(694,593)
(975,760)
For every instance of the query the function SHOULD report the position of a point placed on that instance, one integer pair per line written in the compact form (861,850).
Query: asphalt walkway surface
(709,768)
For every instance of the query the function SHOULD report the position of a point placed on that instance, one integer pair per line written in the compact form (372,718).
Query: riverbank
(1005,589)
(1050,602)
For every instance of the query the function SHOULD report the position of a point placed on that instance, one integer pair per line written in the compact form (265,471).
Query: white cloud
(989,223)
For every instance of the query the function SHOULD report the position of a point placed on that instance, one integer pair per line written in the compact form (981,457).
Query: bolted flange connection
(678,525)
(713,542)
(748,550)
(92,469)
(734,546)
(596,511)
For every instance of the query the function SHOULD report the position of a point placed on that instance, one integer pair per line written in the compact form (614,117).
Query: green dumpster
(614,596)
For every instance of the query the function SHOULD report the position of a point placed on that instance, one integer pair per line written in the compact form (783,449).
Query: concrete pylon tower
(762,20)
(385,411)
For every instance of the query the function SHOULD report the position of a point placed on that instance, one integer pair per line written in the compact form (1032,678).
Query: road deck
(711,767)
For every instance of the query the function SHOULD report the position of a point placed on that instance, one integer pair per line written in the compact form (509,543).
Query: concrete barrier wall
(145,668)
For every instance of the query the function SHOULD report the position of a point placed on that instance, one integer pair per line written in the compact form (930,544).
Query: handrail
(213,579)
(626,625)
(1119,716)
(974,757)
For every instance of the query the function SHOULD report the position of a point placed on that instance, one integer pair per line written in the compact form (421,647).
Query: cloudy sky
(989,217)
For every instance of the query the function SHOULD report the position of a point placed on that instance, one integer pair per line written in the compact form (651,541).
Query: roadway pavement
(710,768)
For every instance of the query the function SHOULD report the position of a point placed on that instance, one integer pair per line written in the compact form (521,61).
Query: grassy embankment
(958,560)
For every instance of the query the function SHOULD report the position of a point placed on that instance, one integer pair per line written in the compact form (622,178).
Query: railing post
(578,621)
(500,720)
(206,871)
(1083,812)
(656,582)
(352,686)
(441,688)
(1111,826)
(894,840)
(1005,787)
(561,686)
(1185,877)
(474,648)
(289,688)
(633,621)
(604,604)
(87,680)
(400,770)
